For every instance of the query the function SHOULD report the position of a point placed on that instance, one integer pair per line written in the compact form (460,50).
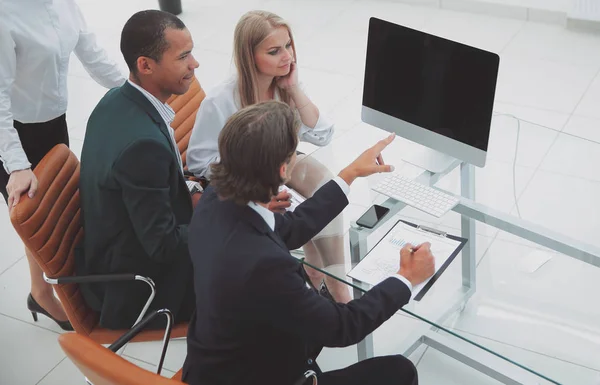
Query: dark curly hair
(144,35)
(253,145)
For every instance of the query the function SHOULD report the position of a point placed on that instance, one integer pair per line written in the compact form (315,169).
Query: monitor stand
(428,159)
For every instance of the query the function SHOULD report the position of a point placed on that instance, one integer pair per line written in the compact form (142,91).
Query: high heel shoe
(35,308)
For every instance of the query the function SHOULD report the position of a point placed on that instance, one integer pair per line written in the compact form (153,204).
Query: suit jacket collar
(255,220)
(137,97)
(130,92)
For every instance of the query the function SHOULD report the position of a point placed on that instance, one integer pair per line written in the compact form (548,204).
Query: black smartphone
(372,216)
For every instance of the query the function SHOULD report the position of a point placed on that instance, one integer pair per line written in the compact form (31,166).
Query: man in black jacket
(134,198)
(256,320)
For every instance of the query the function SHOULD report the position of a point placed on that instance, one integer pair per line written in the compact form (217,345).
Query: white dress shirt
(269,217)
(167,113)
(36,41)
(222,102)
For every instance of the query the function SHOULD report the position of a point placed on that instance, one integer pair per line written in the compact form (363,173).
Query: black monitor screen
(431,82)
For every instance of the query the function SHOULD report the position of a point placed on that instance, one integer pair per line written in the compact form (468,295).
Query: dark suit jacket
(136,208)
(256,320)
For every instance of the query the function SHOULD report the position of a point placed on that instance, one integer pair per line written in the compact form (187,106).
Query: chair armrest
(90,278)
(137,328)
(108,278)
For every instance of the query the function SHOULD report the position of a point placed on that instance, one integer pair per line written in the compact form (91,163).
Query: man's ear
(145,65)
(283,170)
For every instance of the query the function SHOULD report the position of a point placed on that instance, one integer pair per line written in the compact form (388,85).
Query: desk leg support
(469,256)
(358,249)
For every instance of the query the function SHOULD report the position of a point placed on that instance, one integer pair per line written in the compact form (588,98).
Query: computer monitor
(432,91)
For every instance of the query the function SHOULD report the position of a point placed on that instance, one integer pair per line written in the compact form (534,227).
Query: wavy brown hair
(250,31)
(253,145)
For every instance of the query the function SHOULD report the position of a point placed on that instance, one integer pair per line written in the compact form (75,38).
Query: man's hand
(196,198)
(280,202)
(368,163)
(416,265)
(20,182)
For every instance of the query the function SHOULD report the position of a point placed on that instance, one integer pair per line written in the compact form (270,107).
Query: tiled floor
(549,77)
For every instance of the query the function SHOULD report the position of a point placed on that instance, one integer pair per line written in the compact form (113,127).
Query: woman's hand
(20,182)
(290,80)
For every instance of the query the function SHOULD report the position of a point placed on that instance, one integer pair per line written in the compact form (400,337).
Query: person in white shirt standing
(265,57)
(37,38)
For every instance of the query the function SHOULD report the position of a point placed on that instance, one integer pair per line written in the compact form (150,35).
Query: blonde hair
(250,31)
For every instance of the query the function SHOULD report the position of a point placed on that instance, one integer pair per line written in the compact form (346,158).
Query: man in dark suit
(256,320)
(135,202)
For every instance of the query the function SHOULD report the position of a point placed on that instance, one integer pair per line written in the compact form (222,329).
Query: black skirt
(37,140)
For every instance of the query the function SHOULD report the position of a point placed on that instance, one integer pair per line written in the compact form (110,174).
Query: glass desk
(518,303)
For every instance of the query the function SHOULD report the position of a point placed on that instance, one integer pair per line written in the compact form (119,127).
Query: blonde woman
(265,58)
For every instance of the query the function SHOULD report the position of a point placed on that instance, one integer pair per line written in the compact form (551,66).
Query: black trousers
(105,298)
(37,140)
(387,370)
(185,309)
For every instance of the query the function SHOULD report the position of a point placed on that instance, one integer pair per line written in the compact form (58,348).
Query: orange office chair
(50,226)
(186,106)
(102,366)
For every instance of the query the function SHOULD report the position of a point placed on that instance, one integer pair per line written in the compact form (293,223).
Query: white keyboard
(417,195)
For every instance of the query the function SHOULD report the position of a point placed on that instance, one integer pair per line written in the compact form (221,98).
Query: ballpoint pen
(414,249)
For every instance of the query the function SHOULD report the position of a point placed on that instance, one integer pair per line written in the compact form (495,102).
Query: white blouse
(37,38)
(222,102)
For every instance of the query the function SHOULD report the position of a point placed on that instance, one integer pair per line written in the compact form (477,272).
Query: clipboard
(378,264)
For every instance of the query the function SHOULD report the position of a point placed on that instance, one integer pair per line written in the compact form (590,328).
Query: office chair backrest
(186,106)
(50,223)
(50,226)
(103,367)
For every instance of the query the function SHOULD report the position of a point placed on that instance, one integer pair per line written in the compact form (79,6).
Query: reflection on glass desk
(525,318)
(533,302)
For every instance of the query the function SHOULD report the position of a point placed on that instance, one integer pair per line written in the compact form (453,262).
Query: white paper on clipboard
(383,260)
